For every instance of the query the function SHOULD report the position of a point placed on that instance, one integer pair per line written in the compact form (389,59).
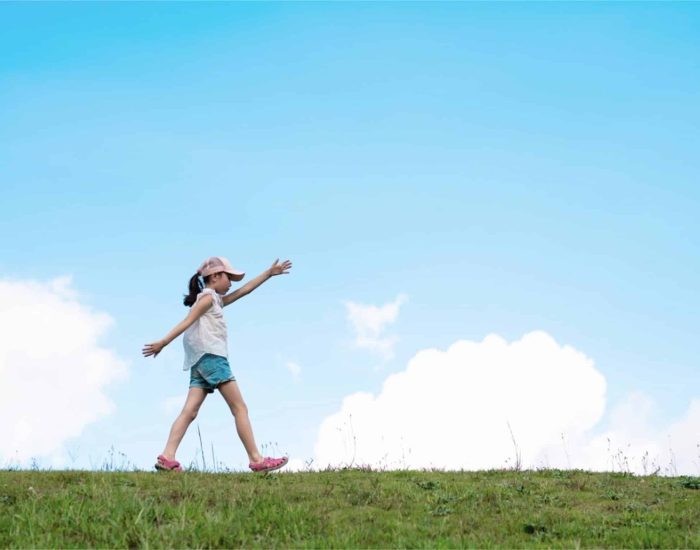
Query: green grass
(348,508)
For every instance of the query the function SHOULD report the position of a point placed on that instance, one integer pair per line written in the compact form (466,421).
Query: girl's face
(220,282)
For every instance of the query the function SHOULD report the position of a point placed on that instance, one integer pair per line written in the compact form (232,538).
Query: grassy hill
(348,508)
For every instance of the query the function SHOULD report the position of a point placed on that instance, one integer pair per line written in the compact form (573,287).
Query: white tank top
(208,333)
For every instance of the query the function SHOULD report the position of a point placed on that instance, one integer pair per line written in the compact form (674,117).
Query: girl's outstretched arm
(275,269)
(196,312)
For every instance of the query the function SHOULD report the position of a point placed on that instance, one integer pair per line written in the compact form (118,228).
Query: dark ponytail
(196,287)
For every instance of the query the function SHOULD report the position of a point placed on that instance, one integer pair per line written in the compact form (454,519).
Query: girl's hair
(196,287)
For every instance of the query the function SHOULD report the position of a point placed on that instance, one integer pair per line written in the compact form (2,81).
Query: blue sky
(509,167)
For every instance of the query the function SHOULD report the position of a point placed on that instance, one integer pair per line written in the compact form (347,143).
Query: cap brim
(237,275)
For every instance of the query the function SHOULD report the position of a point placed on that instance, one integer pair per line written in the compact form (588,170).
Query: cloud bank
(497,404)
(53,372)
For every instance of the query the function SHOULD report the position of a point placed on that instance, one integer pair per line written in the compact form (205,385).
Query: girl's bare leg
(195,398)
(239,409)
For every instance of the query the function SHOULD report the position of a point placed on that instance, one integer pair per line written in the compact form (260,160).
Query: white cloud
(369,323)
(455,409)
(634,443)
(294,369)
(53,372)
(296,465)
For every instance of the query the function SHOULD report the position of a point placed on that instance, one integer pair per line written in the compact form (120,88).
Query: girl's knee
(239,408)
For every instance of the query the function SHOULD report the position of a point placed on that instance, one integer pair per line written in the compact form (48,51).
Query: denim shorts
(210,372)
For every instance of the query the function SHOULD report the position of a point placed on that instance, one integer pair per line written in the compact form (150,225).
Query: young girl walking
(206,353)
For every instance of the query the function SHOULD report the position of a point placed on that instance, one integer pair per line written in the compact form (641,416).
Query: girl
(206,354)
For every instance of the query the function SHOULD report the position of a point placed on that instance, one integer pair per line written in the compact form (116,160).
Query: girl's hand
(280,269)
(153,349)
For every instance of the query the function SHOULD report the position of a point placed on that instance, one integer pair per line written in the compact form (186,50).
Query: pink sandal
(268,464)
(167,464)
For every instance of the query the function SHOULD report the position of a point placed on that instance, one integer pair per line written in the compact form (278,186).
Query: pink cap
(217,264)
